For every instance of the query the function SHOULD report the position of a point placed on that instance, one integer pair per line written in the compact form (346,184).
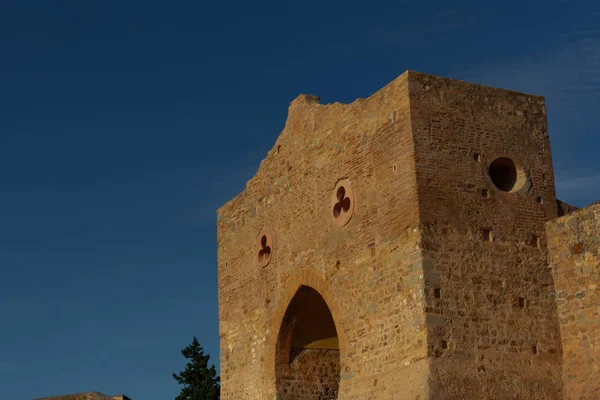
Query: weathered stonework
(574,245)
(427,278)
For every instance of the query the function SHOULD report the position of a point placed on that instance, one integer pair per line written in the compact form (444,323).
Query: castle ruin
(409,246)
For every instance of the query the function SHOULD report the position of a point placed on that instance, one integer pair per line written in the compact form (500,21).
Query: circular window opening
(504,174)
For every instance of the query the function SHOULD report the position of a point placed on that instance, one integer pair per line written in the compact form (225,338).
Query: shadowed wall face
(308,355)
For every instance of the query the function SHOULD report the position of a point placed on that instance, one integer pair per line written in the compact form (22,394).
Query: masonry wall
(574,246)
(313,374)
(369,272)
(492,324)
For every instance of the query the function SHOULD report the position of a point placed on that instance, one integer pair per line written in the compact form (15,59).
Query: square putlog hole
(522,302)
(486,235)
(485,193)
(534,241)
(437,293)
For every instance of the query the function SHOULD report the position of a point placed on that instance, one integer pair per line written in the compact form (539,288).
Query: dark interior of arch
(503,173)
(308,355)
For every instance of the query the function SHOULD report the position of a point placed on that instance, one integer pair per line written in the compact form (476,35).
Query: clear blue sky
(124,125)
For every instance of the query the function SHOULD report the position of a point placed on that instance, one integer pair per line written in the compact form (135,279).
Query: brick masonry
(435,275)
(495,347)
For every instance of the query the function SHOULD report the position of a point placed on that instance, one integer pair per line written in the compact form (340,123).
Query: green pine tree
(200,382)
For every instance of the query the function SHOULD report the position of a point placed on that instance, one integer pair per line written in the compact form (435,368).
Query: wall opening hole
(437,292)
(264,248)
(476,157)
(485,193)
(343,204)
(394,167)
(534,349)
(444,344)
(535,241)
(503,173)
(486,235)
(341,193)
(539,200)
(522,302)
(265,252)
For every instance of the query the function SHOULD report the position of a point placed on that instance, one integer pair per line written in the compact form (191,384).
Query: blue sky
(124,125)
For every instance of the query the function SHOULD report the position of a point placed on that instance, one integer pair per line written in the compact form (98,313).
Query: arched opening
(307,364)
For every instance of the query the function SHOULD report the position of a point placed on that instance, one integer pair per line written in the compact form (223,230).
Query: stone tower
(395,248)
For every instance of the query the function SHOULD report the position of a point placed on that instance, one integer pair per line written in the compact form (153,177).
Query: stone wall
(418,215)
(492,325)
(314,374)
(574,245)
(368,271)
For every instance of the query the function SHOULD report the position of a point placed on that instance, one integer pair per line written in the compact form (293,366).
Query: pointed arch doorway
(307,359)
